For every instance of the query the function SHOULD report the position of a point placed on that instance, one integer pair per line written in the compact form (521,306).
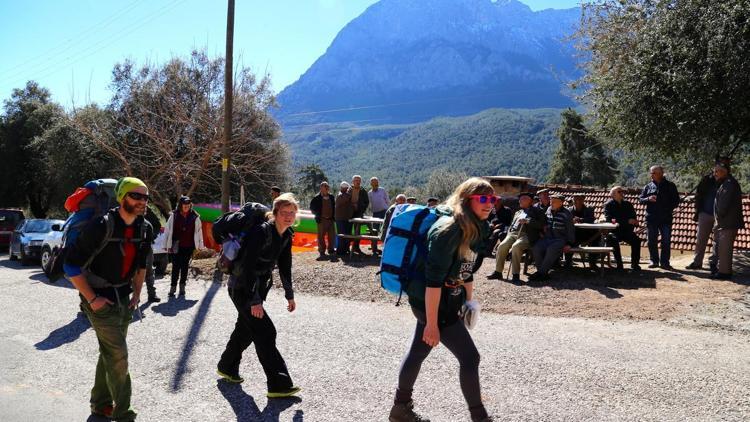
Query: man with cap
(620,211)
(661,198)
(184,234)
(411,200)
(543,200)
(728,220)
(400,200)
(105,271)
(583,214)
(525,229)
(559,236)
(432,202)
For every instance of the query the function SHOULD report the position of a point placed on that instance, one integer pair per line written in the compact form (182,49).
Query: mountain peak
(513,5)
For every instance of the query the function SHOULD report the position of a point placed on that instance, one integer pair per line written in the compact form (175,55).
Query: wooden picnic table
(357,224)
(602,249)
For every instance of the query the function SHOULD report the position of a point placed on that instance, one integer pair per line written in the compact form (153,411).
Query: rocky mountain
(411,60)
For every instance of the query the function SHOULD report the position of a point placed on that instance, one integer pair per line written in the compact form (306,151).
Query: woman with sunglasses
(268,244)
(184,234)
(453,243)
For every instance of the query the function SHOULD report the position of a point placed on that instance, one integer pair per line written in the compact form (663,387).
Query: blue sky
(70,46)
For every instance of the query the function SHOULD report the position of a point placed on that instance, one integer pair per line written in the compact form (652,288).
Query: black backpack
(236,226)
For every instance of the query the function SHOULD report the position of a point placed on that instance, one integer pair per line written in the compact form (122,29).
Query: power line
(59,48)
(102,44)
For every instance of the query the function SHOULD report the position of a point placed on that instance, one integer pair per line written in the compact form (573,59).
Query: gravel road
(345,354)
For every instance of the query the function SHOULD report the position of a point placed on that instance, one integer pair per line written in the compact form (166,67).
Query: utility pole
(228,93)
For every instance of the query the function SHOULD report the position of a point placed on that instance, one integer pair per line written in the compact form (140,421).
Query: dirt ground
(683,297)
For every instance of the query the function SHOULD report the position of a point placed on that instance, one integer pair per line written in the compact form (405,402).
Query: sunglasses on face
(483,199)
(138,196)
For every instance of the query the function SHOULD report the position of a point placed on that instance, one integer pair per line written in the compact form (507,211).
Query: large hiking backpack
(405,249)
(231,229)
(86,204)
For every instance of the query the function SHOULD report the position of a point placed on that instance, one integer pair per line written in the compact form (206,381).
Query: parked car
(52,242)
(26,241)
(9,220)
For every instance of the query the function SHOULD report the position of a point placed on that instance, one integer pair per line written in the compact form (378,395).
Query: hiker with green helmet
(453,242)
(106,264)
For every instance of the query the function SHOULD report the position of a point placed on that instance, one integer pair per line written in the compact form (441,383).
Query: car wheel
(24,259)
(45,258)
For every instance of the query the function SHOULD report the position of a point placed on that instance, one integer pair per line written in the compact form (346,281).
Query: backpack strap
(110,228)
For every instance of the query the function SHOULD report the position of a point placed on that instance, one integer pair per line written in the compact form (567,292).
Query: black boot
(182,290)
(404,412)
(495,276)
(172,289)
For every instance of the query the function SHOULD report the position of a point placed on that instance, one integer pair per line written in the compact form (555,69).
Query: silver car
(28,237)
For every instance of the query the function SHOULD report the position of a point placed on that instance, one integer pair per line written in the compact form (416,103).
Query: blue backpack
(88,203)
(405,249)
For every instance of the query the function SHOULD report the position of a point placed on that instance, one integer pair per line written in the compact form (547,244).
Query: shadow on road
(173,306)
(192,337)
(42,278)
(247,410)
(68,333)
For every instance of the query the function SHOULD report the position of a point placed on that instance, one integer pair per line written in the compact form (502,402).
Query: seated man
(499,221)
(619,211)
(559,235)
(525,230)
(432,202)
(583,214)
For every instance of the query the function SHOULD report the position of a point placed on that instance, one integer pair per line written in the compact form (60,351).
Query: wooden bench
(357,237)
(603,251)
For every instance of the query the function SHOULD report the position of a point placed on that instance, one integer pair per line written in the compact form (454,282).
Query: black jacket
(501,218)
(263,249)
(667,199)
(704,188)
(108,263)
(362,202)
(621,213)
(586,214)
(316,206)
(728,205)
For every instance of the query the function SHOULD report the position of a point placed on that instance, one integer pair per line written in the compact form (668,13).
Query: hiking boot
(635,267)
(321,257)
(153,298)
(182,290)
(713,268)
(172,289)
(495,276)
(720,276)
(289,392)
(667,267)
(105,411)
(653,265)
(404,412)
(233,378)
(516,279)
(538,277)
(694,266)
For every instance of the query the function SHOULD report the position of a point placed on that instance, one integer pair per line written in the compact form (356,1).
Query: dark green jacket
(444,266)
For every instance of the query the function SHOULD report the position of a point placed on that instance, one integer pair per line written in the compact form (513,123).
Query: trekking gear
(289,392)
(230,229)
(404,412)
(86,204)
(405,249)
(233,378)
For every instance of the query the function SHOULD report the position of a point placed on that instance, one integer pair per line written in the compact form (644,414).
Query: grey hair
(400,196)
(614,189)
(345,185)
(652,168)
(374,178)
(356,176)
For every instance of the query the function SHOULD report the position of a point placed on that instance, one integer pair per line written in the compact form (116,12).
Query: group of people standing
(548,229)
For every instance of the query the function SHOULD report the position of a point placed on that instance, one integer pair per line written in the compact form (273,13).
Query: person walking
(268,244)
(322,206)
(452,244)
(153,219)
(184,234)
(105,273)
(705,198)
(343,213)
(661,198)
(728,220)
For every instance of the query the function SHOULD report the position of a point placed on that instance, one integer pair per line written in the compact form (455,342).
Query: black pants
(262,332)
(180,265)
(455,338)
(614,239)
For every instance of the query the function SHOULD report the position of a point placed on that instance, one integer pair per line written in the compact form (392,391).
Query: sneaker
(234,378)
(652,265)
(105,411)
(290,392)
(667,267)
(404,412)
(495,276)
(516,279)
(321,257)
(694,266)
(154,298)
